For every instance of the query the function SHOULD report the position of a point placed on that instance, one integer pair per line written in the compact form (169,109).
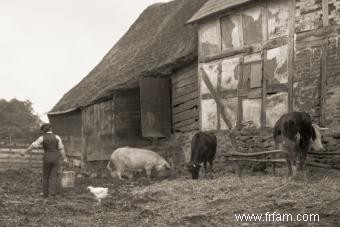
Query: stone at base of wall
(176,150)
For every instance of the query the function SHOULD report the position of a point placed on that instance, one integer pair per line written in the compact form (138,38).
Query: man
(53,147)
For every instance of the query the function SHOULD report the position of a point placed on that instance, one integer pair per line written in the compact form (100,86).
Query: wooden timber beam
(221,108)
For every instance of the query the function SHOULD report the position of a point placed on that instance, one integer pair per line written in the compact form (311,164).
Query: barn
(190,65)
(259,59)
(144,89)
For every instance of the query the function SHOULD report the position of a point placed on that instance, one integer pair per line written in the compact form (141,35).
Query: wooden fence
(13,141)
(11,158)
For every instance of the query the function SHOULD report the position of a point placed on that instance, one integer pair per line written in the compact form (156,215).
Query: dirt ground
(176,202)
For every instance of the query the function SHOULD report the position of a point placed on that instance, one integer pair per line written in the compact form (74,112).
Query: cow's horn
(319,128)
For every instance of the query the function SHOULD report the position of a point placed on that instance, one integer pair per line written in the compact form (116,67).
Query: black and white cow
(203,150)
(295,134)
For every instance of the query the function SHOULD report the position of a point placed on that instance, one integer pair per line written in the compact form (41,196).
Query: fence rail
(11,158)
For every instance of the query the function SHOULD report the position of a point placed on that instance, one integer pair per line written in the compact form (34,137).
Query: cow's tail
(109,166)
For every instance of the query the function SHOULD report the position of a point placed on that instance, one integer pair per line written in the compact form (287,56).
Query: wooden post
(30,158)
(218,92)
(10,142)
(239,97)
(323,85)
(291,47)
(237,168)
(325,20)
(83,140)
(264,90)
(264,56)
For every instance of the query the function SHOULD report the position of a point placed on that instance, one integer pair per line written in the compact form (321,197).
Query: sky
(48,46)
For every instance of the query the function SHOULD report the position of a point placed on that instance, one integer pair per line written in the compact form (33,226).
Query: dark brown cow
(203,150)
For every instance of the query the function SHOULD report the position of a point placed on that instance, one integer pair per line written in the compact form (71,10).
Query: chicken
(99,192)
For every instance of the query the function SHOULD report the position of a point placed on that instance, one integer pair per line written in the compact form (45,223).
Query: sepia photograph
(169,113)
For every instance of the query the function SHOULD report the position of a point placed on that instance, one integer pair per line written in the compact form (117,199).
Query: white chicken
(99,192)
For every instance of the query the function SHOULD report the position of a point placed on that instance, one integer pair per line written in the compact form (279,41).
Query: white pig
(128,158)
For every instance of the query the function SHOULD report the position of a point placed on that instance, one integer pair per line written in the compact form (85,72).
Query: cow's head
(194,169)
(316,143)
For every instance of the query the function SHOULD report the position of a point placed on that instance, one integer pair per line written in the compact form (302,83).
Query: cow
(134,159)
(203,150)
(295,134)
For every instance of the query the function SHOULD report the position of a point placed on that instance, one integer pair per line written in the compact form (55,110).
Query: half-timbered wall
(243,57)
(332,100)
(282,56)
(185,114)
(68,127)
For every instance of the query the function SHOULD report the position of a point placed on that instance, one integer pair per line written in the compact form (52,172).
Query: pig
(128,158)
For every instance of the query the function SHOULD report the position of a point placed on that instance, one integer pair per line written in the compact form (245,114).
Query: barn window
(252,75)
(255,75)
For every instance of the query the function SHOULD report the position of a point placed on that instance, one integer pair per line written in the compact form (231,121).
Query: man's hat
(46,127)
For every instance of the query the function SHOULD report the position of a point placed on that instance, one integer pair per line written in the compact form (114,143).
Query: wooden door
(155,107)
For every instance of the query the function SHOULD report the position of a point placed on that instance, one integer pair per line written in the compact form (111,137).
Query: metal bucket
(68,179)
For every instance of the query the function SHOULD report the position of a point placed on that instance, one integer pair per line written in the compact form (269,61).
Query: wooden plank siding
(98,131)
(68,127)
(112,124)
(185,100)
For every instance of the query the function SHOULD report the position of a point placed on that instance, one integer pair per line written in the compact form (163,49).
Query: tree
(16,114)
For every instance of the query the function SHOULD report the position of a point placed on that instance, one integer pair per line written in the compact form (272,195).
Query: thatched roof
(157,43)
(213,7)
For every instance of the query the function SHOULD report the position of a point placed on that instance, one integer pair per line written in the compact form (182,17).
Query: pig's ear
(167,165)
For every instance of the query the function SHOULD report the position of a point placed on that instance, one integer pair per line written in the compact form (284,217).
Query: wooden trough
(264,156)
(271,156)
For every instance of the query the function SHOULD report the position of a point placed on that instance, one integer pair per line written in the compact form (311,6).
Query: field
(171,202)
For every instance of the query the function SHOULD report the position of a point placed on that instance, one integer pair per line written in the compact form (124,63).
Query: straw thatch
(157,43)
